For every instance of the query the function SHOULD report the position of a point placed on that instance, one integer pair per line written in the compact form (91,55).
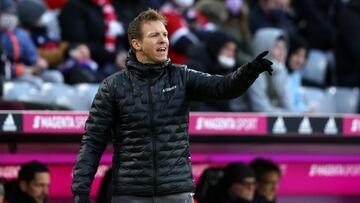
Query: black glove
(82,199)
(260,64)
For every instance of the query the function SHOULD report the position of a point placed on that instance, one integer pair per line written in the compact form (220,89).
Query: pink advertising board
(299,178)
(54,122)
(227,123)
(200,123)
(351,125)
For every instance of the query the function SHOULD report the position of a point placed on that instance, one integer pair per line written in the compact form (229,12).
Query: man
(238,184)
(33,184)
(268,176)
(145,110)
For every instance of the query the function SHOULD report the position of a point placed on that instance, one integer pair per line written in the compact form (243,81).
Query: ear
(136,44)
(23,185)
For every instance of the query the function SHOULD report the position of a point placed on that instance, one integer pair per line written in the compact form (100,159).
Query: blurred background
(293,137)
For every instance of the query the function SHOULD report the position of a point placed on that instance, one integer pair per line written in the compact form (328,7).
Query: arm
(202,86)
(30,56)
(94,141)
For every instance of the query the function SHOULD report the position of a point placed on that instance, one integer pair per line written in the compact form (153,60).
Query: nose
(46,190)
(163,39)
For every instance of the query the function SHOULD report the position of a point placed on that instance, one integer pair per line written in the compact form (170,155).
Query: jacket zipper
(153,136)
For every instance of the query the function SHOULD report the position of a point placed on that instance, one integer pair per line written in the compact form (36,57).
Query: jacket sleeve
(94,140)
(202,86)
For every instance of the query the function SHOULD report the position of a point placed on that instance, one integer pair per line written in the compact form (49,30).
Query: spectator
(215,15)
(270,94)
(101,26)
(32,185)
(79,67)
(315,18)
(43,27)
(5,69)
(238,25)
(217,56)
(295,63)
(207,188)
(267,178)
(21,51)
(97,26)
(271,13)
(238,184)
(348,45)
(232,18)
(180,36)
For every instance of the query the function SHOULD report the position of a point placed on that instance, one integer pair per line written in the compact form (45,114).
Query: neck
(140,57)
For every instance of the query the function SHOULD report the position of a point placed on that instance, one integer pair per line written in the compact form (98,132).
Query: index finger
(260,56)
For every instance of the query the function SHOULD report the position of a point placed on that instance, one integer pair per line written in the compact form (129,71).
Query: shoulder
(178,66)
(116,78)
(21,32)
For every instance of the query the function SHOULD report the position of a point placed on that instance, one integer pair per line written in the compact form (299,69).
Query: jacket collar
(144,70)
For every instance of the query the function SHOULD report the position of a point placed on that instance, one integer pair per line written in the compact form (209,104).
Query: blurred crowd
(237,182)
(55,52)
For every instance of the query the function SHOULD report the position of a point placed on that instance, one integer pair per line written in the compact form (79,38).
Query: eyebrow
(155,33)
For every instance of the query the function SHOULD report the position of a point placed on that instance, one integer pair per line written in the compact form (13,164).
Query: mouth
(162,50)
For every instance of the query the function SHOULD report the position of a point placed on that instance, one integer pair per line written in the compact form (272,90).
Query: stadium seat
(18,91)
(71,101)
(318,100)
(87,92)
(315,68)
(52,91)
(346,99)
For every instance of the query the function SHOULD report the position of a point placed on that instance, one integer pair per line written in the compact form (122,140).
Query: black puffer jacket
(145,108)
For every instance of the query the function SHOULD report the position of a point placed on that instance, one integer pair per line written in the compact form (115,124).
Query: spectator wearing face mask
(21,50)
(217,55)
(231,17)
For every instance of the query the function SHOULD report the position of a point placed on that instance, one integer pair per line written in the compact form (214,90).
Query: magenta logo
(227,123)
(54,122)
(351,125)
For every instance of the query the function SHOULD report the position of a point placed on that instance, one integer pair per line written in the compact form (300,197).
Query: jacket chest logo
(169,89)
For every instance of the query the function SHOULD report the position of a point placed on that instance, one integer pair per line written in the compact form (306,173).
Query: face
(278,51)
(38,188)
(269,185)
(297,59)
(154,45)
(229,49)
(8,21)
(245,189)
(276,4)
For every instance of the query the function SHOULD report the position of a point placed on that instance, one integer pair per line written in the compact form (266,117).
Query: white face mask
(184,3)
(8,21)
(226,62)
